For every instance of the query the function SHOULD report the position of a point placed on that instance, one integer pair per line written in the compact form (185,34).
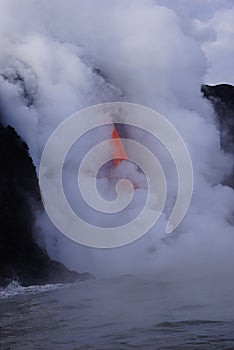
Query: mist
(59,57)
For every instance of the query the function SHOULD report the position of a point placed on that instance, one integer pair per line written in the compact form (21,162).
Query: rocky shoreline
(21,258)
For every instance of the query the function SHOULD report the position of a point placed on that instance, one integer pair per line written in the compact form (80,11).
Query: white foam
(14,288)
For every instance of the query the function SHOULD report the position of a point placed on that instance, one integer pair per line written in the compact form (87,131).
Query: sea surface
(127,312)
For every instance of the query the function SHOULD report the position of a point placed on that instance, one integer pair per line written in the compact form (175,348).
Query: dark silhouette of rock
(222,99)
(21,257)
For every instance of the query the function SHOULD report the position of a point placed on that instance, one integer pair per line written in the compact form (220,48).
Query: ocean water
(128,312)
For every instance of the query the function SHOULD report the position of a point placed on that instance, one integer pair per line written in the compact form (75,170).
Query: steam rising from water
(59,57)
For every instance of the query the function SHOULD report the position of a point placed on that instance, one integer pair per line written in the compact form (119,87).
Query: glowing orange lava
(118,148)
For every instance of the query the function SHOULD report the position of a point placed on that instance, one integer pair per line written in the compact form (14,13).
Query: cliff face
(20,256)
(222,99)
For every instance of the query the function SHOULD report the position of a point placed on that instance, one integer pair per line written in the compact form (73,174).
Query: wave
(14,289)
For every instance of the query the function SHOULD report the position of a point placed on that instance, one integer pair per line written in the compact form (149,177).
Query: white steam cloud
(59,56)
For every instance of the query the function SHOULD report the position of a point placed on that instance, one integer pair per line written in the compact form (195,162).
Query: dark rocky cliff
(222,99)
(21,257)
